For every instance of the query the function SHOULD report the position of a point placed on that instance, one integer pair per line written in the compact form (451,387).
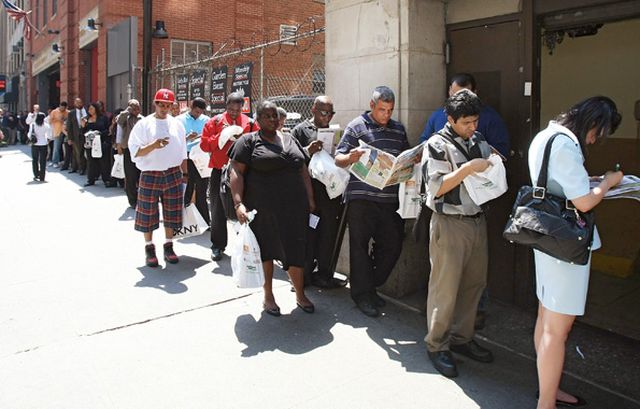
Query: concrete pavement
(84,324)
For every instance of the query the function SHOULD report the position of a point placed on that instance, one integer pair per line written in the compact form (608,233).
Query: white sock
(146,243)
(169,240)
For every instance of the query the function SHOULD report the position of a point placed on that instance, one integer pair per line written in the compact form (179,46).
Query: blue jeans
(57,147)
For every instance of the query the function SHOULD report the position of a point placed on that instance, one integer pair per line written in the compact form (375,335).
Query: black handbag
(550,223)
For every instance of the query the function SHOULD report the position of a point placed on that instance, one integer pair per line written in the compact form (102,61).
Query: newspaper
(330,138)
(628,188)
(381,169)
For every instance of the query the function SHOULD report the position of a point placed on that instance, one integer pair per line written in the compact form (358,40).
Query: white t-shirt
(148,130)
(43,133)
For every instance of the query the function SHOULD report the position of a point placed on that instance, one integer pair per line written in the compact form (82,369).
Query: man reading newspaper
(371,211)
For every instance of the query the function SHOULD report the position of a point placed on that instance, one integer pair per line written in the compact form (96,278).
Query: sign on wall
(3,84)
(218,89)
(242,84)
(197,84)
(182,87)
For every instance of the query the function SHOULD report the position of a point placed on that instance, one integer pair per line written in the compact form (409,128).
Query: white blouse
(42,133)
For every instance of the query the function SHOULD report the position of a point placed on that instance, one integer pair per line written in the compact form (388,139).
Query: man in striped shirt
(371,213)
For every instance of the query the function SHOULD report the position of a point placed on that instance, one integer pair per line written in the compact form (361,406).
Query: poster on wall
(218,89)
(242,84)
(182,87)
(196,84)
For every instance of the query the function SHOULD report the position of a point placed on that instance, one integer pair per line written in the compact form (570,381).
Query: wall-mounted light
(160,31)
(92,24)
(50,31)
(56,48)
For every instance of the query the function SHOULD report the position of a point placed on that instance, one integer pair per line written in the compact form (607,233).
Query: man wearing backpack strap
(209,143)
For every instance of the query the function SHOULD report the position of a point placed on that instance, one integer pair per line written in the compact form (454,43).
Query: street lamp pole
(146,53)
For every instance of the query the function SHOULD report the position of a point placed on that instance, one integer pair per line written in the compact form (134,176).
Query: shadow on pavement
(170,278)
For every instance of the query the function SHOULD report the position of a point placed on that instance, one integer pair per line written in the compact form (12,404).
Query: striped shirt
(391,138)
(442,157)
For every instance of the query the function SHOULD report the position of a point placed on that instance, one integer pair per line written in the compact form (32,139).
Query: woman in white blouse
(562,287)
(39,135)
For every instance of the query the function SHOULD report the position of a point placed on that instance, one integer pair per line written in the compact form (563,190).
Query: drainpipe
(146,53)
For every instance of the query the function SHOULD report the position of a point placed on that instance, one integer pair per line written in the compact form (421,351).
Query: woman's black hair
(597,112)
(97,107)
(40,118)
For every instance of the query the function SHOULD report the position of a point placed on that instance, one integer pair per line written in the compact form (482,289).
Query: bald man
(320,240)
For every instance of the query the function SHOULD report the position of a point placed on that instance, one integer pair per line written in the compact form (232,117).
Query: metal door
(490,52)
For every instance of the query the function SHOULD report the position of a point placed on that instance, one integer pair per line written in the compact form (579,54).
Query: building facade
(13,51)
(96,49)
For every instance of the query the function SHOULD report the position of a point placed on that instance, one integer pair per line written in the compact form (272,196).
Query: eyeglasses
(327,113)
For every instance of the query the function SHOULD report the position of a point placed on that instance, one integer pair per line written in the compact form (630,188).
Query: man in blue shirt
(491,125)
(371,213)
(193,122)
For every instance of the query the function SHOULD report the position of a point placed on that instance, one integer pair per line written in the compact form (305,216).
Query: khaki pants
(459,258)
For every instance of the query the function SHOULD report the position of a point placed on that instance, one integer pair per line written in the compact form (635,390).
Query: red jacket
(211,133)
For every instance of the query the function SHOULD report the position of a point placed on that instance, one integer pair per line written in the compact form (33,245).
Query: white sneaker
(55,165)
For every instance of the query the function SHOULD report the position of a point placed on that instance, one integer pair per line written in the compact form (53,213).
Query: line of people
(268,173)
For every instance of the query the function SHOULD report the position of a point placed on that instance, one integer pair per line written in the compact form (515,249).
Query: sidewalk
(84,324)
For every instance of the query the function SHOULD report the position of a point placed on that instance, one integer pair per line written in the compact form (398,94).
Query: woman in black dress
(96,121)
(269,174)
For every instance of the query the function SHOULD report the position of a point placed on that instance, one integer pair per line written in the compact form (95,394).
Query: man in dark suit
(75,136)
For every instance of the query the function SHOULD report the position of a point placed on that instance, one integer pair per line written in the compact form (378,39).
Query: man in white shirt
(157,145)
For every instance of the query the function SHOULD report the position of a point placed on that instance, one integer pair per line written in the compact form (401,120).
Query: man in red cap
(157,144)
(209,143)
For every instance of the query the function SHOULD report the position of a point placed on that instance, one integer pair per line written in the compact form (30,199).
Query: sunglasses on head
(327,113)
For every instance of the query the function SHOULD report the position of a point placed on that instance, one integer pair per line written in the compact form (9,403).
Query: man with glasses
(320,240)
(158,147)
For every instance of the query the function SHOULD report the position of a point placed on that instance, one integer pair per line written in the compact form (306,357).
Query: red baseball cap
(164,95)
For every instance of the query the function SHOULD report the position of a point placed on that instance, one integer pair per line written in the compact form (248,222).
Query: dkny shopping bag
(96,147)
(323,168)
(246,262)
(192,223)
(117,170)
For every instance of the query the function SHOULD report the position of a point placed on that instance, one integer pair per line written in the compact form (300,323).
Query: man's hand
(314,147)
(613,178)
(355,155)
(477,165)
(160,143)
(192,136)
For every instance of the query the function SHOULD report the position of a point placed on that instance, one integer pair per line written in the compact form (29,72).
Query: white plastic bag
(117,170)
(487,185)
(192,223)
(246,262)
(323,168)
(200,158)
(409,195)
(96,147)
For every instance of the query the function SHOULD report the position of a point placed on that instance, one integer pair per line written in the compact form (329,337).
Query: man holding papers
(372,211)
(458,235)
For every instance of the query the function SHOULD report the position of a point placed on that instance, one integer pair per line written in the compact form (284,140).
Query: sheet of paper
(313,220)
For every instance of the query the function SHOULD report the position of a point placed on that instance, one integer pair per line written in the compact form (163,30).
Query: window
(189,51)
(286,32)
(54,7)
(44,13)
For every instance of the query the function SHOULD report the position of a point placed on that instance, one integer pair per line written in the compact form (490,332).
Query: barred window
(184,51)
(287,32)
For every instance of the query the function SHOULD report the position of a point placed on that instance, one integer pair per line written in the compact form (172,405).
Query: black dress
(99,167)
(274,186)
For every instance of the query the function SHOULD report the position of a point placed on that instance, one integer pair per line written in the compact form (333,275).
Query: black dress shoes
(216,254)
(89,184)
(474,351)
(368,308)
(377,300)
(444,363)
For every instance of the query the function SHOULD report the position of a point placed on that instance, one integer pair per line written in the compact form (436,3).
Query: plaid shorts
(159,187)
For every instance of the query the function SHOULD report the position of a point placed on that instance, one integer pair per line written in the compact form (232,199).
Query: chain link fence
(288,70)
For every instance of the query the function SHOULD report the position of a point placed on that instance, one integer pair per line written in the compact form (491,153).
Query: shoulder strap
(542,176)
(457,145)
